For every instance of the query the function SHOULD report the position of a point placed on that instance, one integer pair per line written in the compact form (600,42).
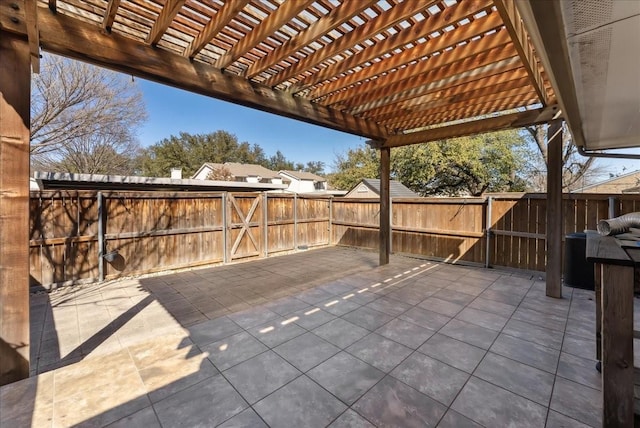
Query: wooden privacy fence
(89,236)
(505,230)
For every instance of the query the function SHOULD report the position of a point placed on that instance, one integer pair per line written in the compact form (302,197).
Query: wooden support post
(554,209)
(617,345)
(385,223)
(15,92)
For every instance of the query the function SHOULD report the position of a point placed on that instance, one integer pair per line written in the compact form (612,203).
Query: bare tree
(79,111)
(577,170)
(220,174)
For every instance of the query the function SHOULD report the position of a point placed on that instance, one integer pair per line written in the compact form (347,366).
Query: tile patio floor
(314,339)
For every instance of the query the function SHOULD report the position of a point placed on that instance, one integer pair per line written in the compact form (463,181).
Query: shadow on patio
(317,338)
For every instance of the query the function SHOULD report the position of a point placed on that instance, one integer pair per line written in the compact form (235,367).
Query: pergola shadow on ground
(317,338)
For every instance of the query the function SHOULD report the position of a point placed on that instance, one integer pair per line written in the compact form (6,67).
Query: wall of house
(203,174)
(362,191)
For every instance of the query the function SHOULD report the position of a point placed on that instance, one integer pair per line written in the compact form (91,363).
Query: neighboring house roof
(301,175)
(241,169)
(54,180)
(396,189)
(622,183)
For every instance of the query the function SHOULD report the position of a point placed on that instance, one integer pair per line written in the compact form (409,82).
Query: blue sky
(172,110)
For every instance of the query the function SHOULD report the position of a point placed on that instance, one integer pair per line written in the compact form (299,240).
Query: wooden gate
(245,226)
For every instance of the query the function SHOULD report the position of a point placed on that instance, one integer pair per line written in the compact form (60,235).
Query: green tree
(464,166)
(189,152)
(314,167)
(279,162)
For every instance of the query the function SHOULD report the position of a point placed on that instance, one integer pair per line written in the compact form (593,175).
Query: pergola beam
(435,23)
(497,123)
(285,12)
(364,32)
(399,61)
(515,27)
(33,33)
(554,210)
(15,82)
(325,24)
(110,14)
(70,37)
(545,27)
(168,13)
(217,22)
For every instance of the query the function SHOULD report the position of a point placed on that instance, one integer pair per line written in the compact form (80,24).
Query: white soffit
(603,38)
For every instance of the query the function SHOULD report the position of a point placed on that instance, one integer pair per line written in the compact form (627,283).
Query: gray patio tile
(441,306)
(380,352)
(167,376)
(579,346)
(286,305)
(207,403)
(301,403)
(577,401)
(313,296)
(498,308)
(346,377)
(233,350)
(482,318)
(213,330)
(361,297)
(471,289)
(252,317)
(453,352)
(407,333)
(338,306)
(501,296)
(453,419)
(454,296)
(541,319)
(245,419)
(389,306)
(306,351)
(492,406)
(311,317)
(547,305)
(469,333)
(409,295)
(580,370)
(337,287)
(533,333)
(434,378)
(367,318)
(586,329)
(393,404)
(527,381)
(424,318)
(276,331)
(526,352)
(351,419)
(340,332)
(261,375)
(557,420)
(145,418)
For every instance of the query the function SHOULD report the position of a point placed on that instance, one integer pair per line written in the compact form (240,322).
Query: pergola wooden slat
(397,72)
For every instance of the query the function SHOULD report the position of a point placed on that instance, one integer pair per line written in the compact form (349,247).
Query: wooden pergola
(395,72)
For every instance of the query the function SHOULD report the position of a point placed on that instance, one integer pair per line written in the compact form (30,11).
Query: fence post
(224,228)
(265,233)
(487,263)
(390,225)
(330,220)
(101,231)
(295,221)
(612,207)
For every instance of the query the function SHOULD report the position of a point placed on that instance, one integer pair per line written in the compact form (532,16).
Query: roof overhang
(60,181)
(590,50)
